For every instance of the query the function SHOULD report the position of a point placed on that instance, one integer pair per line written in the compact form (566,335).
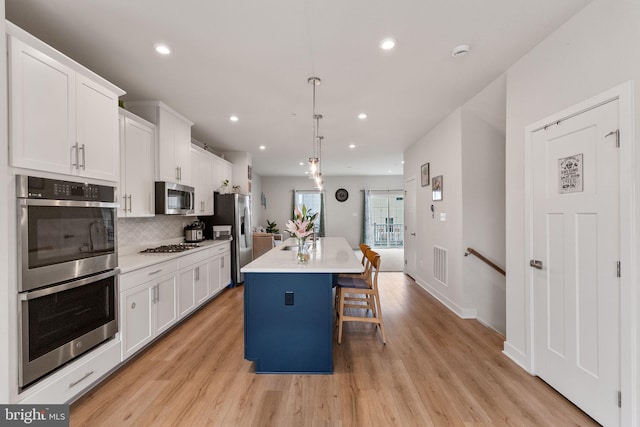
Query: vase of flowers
(302,226)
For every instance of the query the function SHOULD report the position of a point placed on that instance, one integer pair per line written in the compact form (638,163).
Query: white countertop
(331,255)
(134,260)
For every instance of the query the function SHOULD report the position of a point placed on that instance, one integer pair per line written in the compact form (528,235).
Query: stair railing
(471,251)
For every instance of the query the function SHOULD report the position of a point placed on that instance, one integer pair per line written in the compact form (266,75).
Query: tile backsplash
(141,231)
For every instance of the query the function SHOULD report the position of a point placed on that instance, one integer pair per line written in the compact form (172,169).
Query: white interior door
(410,227)
(576,245)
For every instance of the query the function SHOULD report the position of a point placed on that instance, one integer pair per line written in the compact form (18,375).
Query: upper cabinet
(202,166)
(173,161)
(63,117)
(208,175)
(137,176)
(222,171)
(241,170)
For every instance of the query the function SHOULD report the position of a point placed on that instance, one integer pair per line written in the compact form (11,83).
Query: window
(313,200)
(385,219)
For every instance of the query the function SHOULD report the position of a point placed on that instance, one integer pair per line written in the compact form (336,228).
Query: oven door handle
(67,203)
(26,296)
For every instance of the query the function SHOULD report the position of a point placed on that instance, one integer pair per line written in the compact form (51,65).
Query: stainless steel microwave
(174,199)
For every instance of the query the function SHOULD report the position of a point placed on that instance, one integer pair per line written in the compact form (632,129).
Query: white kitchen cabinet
(215,266)
(220,268)
(137,318)
(166,303)
(241,169)
(63,117)
(148,305)
(202,177)
(136,188)
(222,170)
(71,380)
(201,283)
(193,281)
(97,130)
(174,140)
(225,269)
(156,297)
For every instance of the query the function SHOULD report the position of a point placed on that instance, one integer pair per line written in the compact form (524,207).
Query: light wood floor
(436,370)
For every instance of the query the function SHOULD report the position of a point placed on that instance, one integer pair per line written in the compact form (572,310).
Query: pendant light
(314,160)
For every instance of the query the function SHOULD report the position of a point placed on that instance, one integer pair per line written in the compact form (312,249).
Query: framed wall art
(436,188)
(424,174)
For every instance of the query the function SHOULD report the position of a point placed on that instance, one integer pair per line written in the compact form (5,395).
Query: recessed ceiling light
(306,172)
(388,43)
(301,163)
(402,162)
(460,50)
(262,147)
(389,171)
(362,116)
(162,48)
(352,146)
(234,118)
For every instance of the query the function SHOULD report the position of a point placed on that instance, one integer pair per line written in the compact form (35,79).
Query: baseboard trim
(463,313)
(517,356)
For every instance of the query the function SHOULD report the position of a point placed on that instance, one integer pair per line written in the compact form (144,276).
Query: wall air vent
(440,264)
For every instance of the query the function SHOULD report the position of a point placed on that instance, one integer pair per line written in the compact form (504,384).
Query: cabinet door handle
(129,202)
(197,273)
(154,272)
(535,264)
(222,262)
(87,375)
(180,173)
(125,203)
(75,148)
(83,157)
(177,173)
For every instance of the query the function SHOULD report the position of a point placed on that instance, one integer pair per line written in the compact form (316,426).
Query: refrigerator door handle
(246,220)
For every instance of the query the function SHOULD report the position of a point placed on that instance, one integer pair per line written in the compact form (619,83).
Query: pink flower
(303,223)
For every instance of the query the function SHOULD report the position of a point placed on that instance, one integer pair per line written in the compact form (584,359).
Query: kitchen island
(288,307)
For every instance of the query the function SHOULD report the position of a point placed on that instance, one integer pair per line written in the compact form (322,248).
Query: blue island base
(288,322)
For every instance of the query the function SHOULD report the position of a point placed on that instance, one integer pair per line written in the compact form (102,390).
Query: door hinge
(619,399)
(618,269)
(617,134)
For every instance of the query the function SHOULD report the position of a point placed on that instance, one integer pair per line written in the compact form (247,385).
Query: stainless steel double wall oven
(67,271)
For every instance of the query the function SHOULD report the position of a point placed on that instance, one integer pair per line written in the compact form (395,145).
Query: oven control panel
(30,187)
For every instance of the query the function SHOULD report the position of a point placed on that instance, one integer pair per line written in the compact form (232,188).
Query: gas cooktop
(165,249)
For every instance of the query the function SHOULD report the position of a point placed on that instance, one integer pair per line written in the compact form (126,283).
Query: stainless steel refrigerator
(234,210)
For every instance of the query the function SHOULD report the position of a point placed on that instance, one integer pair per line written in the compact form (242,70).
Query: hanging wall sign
(570,174)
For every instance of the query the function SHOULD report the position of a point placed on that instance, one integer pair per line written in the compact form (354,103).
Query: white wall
(342,218)
(441,148)
(594,51)
(483,201)
(467,148)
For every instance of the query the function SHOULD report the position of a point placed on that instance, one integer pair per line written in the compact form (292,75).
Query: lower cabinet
(193,282)
(147,308)
(154,298)
(75,378)
(220,269)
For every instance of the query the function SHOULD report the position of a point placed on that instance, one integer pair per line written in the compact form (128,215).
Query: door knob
(535,264)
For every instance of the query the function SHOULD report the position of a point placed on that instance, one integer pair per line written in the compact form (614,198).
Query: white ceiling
(252,58)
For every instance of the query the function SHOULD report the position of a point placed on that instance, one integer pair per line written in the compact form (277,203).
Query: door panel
(576,235)
(410,228)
